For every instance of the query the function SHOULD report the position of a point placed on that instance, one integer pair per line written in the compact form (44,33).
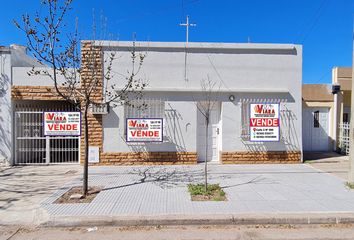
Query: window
(144,108)
(345,117)
(245,121)
(316,119)
(147,108)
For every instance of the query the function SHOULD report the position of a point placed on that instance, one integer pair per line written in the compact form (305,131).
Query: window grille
(344,137)
(245,121)
(316,119)
(145,108)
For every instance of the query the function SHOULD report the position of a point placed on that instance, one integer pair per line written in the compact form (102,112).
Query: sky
(323,27)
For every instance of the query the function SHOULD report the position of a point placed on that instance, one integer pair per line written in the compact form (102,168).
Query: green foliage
(212,190)
(349,185)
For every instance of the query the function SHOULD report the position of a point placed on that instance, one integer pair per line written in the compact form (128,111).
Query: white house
(248,78)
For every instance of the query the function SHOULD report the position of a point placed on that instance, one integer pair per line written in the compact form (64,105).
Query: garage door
(315,129)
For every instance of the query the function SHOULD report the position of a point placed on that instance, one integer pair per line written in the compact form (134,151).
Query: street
(264,232)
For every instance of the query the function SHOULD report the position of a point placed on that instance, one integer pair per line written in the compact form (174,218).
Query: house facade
(318,118)
(326,113)
(255,114)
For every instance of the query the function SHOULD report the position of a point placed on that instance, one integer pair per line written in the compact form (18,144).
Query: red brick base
(260,157)
(148,158)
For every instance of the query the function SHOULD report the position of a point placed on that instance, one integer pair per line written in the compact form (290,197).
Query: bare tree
(77,73)
(205,107)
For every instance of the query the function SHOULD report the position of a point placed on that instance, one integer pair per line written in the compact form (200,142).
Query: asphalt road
(264,232)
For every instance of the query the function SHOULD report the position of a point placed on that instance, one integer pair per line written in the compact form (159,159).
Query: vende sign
(264,122)
(62,123)
(144,129)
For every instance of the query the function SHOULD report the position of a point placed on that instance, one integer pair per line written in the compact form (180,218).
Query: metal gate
(344,138)
(32,147)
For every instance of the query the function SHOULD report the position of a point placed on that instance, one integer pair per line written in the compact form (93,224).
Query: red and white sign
(144,129)
(264,122)
(62,123)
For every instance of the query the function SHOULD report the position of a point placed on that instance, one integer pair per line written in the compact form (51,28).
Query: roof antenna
(187,24)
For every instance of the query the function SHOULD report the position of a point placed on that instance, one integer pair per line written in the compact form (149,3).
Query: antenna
(187,25)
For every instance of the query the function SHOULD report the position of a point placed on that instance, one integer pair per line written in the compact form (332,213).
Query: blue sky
(324,27)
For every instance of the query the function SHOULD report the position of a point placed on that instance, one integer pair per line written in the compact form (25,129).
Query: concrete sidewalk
(256,194)
(22,188)
(157,195)
(329,162)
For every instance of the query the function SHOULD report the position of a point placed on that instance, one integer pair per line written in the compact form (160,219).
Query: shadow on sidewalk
(169,178)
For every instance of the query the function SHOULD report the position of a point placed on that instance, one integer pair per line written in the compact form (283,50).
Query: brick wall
(244,157)
(148,158)
(92,75)
(34,93)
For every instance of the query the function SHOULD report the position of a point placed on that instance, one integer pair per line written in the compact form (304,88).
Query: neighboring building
(13,56)
(318,114)
(246,73)
(342,76)
(326,110)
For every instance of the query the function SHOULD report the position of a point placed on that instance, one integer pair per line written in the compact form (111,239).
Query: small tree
(209,98)
(77,76)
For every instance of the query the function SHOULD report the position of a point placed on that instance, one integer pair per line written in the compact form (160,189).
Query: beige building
(325,108)
(342,76)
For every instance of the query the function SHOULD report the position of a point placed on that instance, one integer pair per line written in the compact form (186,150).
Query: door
(316,129)
(209,139)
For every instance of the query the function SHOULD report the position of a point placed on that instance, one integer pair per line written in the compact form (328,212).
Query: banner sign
(62,123)
(264,122)
(144,129)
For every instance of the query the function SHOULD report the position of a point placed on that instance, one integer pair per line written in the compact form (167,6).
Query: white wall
(290,129)
(21,77)
(241,66)
(5,108)
(180,135)
(252,72)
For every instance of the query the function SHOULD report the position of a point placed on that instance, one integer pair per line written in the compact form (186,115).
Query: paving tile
(249,189)
(259,206)
(251,196)
(271,195)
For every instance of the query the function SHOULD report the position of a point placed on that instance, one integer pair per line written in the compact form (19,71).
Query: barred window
(144,108)
(316,119)
(147,108)
(245,121)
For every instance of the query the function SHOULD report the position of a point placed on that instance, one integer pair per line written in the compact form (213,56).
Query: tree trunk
(86,135)
(206,154)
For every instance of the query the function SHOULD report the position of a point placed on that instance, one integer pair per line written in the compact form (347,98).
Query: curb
(180,220)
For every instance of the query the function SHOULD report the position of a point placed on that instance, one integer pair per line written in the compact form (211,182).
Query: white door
(211,140)
(315,129)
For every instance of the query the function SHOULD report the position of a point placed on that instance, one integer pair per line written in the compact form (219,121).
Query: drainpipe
(336,114)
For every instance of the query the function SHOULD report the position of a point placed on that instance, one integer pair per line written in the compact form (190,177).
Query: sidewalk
(22,188)
(157,195)
(256,194)
(332,163)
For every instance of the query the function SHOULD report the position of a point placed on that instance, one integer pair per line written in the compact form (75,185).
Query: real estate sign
(62,123)
(144,129)
(264,122)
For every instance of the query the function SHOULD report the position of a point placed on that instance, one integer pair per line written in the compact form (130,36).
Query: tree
(77,73)
(209,99)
